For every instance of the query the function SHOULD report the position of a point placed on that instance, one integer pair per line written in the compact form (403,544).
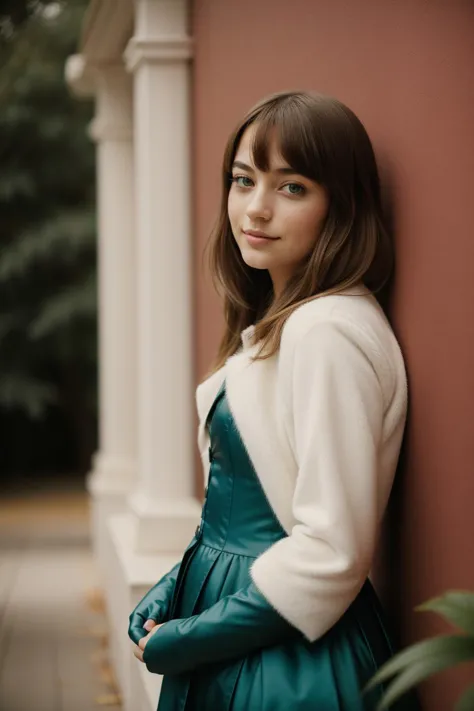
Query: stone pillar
(114,469)
(163,505)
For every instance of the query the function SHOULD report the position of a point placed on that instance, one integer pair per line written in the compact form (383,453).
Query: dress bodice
(236,515)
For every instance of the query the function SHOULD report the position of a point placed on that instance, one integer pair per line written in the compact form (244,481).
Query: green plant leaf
(466,702)
(47,220)
(456,606)
(79,301)
(447,652)
(60,239)
(444,645)
(27,393)
(407,680)
(8,322)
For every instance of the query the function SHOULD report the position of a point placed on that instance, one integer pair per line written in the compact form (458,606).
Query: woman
(301,424)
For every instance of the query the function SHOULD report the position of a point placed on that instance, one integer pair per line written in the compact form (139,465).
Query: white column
(114,469)
(163,505)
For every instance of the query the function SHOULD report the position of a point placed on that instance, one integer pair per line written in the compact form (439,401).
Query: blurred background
(53,639)
(114,115)
(48,343)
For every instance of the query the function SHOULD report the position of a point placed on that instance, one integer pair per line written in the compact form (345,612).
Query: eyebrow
(281,171)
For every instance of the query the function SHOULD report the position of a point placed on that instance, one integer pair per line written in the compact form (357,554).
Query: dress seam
(233,482)
(222,550)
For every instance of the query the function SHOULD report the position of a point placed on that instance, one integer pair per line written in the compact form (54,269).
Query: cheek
(233,208)
(306,226)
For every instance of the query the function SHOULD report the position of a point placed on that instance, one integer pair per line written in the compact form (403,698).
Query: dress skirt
(237,526)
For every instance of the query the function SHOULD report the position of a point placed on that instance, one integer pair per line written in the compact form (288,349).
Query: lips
(259,234)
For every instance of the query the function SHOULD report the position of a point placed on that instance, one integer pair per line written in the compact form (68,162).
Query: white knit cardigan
(322,421)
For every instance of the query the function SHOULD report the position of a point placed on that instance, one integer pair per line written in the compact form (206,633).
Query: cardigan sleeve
(232,628)
(335,405)
(154,605)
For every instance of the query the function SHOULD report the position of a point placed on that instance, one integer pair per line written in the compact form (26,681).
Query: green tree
(47,224)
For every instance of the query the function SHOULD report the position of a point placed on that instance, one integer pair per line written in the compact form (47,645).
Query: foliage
(422,660)
(47,220)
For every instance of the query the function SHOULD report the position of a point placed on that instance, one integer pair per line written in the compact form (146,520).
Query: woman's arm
(304,583)
(340,385)
(234,627)
(155,605)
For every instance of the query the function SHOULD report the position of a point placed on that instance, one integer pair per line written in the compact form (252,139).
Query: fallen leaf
(108,700)
(95,600)
(98,656)
(106,675)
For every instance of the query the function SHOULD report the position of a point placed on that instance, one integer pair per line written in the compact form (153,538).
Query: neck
(279,282)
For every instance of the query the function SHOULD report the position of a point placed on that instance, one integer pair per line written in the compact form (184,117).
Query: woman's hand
(152,627)
(153,607)
(234,627)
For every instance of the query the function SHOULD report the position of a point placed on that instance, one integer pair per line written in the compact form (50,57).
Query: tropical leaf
(414,675)
(456,606)
(421,661)
(466,702)
(444,646)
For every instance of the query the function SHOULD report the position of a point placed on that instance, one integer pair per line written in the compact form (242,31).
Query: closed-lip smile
(258,233)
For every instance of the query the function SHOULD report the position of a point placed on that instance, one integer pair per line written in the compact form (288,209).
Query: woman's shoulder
(354,312)
(355,306)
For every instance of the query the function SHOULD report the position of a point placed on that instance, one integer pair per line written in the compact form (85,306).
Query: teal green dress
(223,647)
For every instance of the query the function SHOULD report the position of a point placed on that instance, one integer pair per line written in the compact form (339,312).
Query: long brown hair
(323,140)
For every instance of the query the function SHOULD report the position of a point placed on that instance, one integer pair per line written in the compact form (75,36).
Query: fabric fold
(234,627)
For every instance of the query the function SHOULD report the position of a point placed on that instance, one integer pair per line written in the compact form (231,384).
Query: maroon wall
(406,68)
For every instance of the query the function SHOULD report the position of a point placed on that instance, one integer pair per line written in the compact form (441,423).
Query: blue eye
(294,189)
(242,181)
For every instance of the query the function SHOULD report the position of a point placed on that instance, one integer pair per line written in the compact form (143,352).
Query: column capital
(156,50)
(106,128)
(114,104)
(112,87)
(80,76)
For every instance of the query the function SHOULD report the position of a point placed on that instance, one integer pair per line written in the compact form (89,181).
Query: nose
(259,206)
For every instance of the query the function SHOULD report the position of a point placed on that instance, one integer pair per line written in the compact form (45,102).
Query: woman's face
(276,216)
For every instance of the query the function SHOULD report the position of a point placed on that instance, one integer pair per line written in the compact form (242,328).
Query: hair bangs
(321,139)
(285,124)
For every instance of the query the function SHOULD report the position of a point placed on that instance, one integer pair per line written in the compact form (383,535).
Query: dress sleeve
(154,605)
(336,409)
(233,628)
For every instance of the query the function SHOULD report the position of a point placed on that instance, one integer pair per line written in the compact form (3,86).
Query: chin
(256,264)
(254,260)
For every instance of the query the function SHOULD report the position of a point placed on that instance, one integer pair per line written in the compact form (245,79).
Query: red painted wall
(406,69)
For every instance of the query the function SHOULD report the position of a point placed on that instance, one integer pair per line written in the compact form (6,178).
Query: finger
(138,653)
(155,629)
(143,641)
(149,624)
